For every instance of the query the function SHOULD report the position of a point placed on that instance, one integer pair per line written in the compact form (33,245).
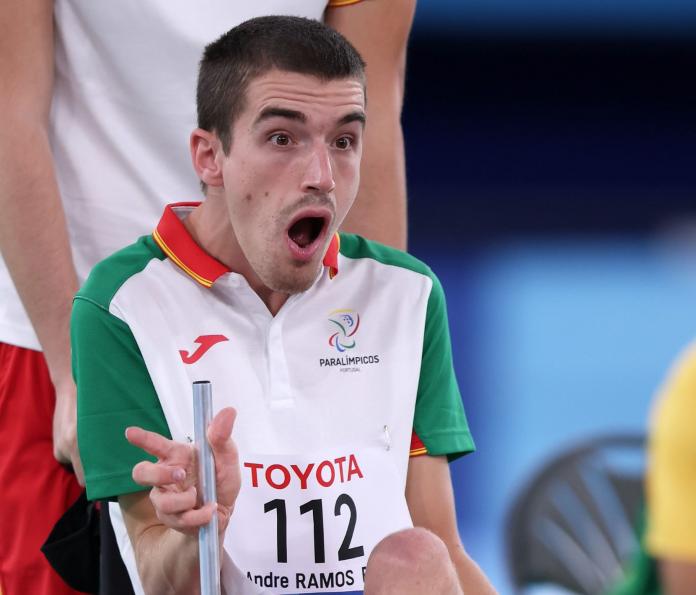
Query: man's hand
(65,429)
(174,477)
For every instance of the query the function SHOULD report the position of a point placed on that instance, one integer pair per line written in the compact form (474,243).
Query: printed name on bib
(311,580)
(324,474)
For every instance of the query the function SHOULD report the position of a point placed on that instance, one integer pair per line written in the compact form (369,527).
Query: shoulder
(109,275)
(675,408)
(358,248)
(676,393)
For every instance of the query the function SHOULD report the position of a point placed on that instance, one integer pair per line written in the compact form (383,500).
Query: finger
(151,442)
(220,433)
(226,456)
(151,474)
(172,503)
(189,521)
(77,468)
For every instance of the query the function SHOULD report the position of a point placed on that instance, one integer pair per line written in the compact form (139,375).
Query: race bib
(308,524)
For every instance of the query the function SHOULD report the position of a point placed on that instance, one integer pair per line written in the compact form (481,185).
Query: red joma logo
(205,342)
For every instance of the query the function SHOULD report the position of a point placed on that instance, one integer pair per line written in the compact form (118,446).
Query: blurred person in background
(671,479)
(666,561)
(93,95)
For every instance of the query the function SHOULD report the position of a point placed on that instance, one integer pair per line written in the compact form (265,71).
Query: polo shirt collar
(175,241)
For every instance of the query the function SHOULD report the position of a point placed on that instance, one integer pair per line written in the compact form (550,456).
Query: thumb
(226,457)
(220,432)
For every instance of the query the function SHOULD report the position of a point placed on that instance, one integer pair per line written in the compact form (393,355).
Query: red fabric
(416,444)
(179,243)
(34,489)
(331,256)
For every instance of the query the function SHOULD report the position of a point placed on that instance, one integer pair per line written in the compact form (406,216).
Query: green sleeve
(114,391)
(439,419)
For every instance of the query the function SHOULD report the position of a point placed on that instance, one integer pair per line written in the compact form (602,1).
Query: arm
(163,525)
(167,560)
(33,235)
(431,504)
(678,577)
(379,31)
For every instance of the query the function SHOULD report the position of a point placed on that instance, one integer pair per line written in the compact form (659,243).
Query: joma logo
(205,342)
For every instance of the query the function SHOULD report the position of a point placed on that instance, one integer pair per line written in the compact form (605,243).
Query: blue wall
(663,17)
(556,341)
(553,189)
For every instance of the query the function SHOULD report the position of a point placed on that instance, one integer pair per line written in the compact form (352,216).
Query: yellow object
(672,465)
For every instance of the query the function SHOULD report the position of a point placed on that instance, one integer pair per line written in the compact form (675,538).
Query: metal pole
(208,545)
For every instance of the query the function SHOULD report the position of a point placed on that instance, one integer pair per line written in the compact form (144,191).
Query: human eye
(280,139)
(344,143)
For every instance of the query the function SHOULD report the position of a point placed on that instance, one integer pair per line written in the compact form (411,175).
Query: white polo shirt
(329,392)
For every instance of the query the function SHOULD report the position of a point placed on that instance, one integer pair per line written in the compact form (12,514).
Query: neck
(209,226)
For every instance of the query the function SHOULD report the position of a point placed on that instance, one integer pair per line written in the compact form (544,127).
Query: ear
(204,147)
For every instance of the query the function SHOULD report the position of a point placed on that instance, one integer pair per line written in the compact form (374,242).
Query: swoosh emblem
(205,342)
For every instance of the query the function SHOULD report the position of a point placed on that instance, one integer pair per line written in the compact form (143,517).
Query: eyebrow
(356,116)
(290,114)
(279,112)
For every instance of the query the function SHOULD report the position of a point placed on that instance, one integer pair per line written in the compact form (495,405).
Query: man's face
(292,173)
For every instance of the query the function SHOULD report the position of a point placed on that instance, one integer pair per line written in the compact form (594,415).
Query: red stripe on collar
(331,256)
(172,236)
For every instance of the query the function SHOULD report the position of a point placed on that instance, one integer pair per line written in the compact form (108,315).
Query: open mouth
(306,230)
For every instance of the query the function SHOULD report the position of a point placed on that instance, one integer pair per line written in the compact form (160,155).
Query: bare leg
(411,562)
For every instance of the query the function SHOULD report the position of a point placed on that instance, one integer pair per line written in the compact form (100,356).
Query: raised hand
(174,476)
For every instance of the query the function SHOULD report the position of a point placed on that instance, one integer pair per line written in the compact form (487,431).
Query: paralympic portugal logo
(347,323)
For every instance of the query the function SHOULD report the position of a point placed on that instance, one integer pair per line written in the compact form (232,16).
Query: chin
(295,286)
(294,281)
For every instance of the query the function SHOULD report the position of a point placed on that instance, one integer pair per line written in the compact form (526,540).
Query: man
(333,350)
(96,96)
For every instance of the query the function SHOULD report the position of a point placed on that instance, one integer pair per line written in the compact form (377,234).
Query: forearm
(34,240)
(431,504)
(33,235)
(379,212)
(471,578)
(34,244)
(167,561)
(379,30)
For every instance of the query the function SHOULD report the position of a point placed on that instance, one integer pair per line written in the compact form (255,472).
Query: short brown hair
(291,44)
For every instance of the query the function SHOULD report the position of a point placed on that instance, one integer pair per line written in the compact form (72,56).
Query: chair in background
(574,525)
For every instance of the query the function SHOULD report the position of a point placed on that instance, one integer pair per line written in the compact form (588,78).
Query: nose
(318,175)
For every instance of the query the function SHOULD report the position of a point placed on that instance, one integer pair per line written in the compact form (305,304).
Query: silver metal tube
(208,546)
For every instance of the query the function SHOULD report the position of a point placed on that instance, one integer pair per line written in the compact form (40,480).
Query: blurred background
(551,150)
